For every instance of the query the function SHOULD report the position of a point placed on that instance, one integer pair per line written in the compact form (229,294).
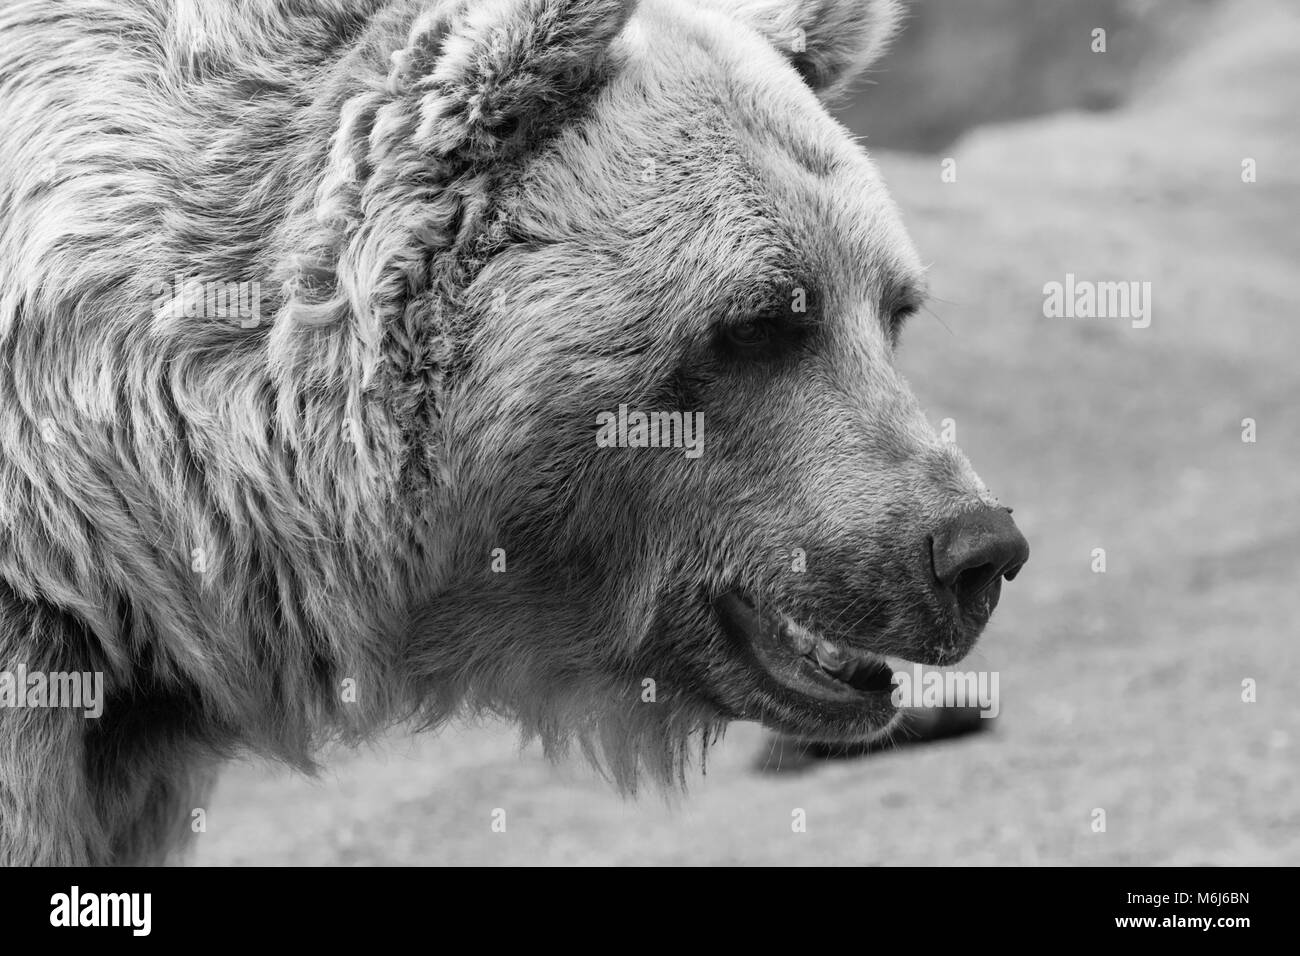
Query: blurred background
(1119,690)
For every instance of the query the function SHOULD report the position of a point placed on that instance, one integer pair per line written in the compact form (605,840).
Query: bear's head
(678,478)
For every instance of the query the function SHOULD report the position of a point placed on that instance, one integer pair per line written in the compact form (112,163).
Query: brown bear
(369,361)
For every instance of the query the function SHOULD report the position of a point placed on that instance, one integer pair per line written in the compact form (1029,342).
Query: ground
(1121,690)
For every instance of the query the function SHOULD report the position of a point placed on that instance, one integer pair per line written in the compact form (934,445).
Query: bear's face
(701,239)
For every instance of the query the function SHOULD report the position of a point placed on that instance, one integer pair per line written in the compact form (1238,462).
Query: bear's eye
(750,333)
(774,328)
(898,318)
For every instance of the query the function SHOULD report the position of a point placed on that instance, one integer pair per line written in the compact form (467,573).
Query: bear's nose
(974,551)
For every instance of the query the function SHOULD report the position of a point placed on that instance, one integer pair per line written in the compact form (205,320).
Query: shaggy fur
(474,226)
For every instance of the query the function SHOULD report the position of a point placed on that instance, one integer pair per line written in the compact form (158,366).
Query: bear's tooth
(828,655)
(799,637)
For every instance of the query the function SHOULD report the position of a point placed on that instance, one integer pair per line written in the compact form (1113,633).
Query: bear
(332,332)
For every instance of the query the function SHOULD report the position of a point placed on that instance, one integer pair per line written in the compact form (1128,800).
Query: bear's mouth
(800,660)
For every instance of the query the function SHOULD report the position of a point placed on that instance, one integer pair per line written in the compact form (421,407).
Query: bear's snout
(971,554)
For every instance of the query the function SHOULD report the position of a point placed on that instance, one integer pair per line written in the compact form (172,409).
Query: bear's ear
(830,42)
(491,74)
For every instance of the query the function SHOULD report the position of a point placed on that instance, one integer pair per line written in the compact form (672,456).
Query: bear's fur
(473,227)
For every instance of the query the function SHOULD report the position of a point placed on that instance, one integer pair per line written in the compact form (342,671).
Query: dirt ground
(1120,691)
